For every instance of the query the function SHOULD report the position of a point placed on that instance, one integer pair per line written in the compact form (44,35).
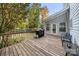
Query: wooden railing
(10,38)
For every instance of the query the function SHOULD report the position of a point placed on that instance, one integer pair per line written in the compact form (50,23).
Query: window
(62,27)
(47,27)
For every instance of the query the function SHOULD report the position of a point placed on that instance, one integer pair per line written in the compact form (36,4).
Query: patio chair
(73,51)
(67,39)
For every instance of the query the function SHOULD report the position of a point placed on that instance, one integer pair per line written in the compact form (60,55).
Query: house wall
(66,5)
(74,20)
(64,17)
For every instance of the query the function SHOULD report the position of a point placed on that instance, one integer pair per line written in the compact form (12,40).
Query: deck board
(15,51)
(45,46)
(7,51)
(11,51)
(18,50)
(44,51)
(22,50)
(27,50)
(3,52)
(30,51)
(53,46)
(0,51)
(36,50)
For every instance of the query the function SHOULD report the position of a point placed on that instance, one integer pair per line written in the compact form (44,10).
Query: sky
(53,7)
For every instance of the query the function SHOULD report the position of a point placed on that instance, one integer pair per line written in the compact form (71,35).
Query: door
(54,28)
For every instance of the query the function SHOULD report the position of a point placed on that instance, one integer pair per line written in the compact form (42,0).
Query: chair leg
(61,41)
(66,54)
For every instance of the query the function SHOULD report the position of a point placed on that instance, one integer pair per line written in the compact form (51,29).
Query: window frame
(63,27)
(47,27)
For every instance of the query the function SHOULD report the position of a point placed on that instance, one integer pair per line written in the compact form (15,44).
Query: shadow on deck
(45,46)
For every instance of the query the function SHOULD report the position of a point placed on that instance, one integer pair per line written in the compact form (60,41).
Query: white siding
(74,16)
(66,5)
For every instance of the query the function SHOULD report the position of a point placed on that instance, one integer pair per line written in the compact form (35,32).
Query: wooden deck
(45,46)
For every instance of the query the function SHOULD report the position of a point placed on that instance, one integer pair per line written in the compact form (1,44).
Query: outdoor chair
(73,51)
(66,38)
(70,48)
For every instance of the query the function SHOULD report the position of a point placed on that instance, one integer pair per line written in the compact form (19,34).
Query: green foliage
(34,14)
(22,26)
(11,15)
(11,41)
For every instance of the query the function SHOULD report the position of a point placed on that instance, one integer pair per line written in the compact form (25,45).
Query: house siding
(66,5)
(74,18)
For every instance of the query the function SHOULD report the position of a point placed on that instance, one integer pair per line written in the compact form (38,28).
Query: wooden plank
(36,54)
(35,50)
(52,48)
(54,45)
(21,49)
(3,52)
(7,51)
(15,51)
(42,50)
(45,48)
(11,51)
(28,49)
(18,50)
(25,50)
(0,52)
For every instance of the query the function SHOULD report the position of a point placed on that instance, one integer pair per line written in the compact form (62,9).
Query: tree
(34,14)
(44,13)
(12,15)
